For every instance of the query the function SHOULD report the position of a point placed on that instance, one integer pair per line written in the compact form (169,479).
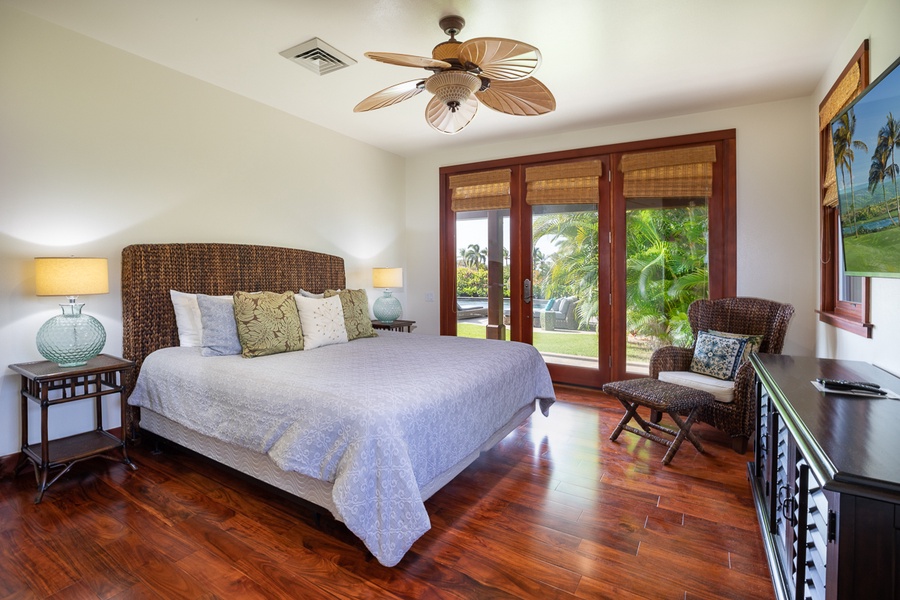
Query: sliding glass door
(663,211)
(591,258)
(526,261)
(561,233)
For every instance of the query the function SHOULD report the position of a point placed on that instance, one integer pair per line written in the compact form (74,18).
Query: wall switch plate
(429,296)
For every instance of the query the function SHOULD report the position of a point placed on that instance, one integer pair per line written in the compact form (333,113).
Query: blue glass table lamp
(386,308)
(71,339)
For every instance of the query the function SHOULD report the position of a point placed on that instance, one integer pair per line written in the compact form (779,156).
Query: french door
(591,257)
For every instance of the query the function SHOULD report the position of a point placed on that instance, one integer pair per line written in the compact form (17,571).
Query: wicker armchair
(748,316)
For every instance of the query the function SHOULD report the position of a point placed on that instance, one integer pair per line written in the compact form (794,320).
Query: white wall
(877,22)
(101,149)
(776,203)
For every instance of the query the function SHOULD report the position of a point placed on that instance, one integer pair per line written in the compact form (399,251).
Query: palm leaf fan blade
(500,58)
(526,97)
(408,60)
(392,95)
(442,118)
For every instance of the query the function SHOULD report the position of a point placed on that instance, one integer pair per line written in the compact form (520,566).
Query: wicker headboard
(149,271)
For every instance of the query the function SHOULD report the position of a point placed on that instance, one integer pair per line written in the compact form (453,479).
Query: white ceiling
(606,61)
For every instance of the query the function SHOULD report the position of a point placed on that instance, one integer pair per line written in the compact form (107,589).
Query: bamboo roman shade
(847,89)
(484,190)
(565,183)
(677,173)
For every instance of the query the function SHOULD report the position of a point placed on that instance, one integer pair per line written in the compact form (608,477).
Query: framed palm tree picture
(866,137)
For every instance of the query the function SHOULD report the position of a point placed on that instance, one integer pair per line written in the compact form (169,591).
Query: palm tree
(574,270)
(474,256)
(879,170)
(889,135)
(844,144)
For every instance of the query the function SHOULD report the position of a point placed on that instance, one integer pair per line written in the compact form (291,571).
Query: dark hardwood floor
(555,511)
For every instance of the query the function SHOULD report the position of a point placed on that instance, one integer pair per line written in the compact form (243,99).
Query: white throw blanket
(377,417)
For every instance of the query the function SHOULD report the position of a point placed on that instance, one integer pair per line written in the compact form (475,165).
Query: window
(845,299)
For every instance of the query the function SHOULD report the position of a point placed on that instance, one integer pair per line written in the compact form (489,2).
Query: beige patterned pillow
(322,321)
(356,313)
(267,323)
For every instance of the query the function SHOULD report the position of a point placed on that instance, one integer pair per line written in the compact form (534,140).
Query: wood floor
(555,511)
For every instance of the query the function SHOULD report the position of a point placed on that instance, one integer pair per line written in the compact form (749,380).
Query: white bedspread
(377,417)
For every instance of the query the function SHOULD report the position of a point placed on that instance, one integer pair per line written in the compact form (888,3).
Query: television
(866,138)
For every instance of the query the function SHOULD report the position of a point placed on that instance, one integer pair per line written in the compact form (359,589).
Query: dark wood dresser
(826,480)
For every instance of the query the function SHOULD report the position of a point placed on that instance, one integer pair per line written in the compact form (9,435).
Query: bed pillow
(267,323)
(187,318)
(753,341)
(322,320)
(310,294)
(717,356)
(219,335)
(356,313)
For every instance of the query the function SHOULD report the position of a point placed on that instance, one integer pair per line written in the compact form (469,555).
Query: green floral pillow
(356,313)
(717,356)
(267,323)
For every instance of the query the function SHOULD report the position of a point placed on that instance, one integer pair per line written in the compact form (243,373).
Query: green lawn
(560,342)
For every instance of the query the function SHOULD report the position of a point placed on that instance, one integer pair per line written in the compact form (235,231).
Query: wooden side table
(48,384)
(398,325)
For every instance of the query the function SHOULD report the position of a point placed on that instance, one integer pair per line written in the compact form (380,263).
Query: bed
(367,430)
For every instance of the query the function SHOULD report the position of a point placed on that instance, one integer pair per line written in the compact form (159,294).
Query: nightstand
(398,325)
(48,384)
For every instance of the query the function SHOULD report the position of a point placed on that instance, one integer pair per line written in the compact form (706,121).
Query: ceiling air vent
(318,57)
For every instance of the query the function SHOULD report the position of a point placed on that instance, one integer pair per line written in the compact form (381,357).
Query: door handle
(526,293)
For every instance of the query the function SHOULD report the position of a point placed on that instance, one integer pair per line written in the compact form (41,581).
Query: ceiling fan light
(452,88)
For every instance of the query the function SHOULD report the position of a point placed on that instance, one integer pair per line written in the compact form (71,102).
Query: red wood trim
(847,324)
(447,268)
(592,152)
(520,267)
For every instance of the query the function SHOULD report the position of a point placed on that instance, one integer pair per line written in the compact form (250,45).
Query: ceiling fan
(494,71)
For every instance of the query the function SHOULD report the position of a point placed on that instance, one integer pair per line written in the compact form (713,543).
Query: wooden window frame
(849,316)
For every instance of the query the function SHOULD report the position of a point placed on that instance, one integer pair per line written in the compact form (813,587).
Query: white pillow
(306,294)
(322,321)
(187,318)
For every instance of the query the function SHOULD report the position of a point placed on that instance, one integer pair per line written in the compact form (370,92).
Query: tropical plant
(666,270)
(844,145)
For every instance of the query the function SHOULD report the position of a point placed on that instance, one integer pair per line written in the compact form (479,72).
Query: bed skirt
(261,467)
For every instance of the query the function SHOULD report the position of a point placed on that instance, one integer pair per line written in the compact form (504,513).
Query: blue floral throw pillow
(717,356)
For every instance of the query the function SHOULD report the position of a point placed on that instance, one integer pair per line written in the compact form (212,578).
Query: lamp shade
(71,276)
(387,277)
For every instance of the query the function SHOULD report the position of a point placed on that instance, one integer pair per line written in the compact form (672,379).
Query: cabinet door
(810,533)
(761,448)
(782,493)
(815,537)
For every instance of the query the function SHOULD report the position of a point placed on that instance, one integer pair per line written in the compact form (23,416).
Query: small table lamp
(71,339)
(387,309)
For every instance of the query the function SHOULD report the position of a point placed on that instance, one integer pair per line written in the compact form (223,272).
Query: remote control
(843,385)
